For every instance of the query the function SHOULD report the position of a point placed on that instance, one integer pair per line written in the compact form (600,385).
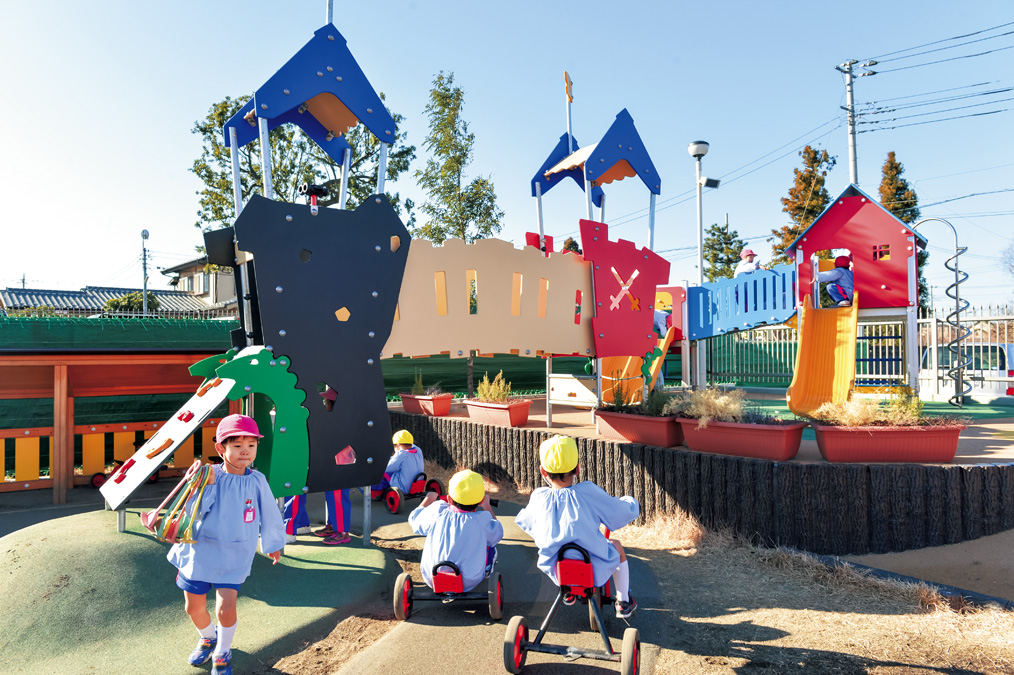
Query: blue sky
(100,99)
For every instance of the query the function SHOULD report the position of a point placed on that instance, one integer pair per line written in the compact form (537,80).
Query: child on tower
(405,464)
(572,512)
(236,507)
(464,531)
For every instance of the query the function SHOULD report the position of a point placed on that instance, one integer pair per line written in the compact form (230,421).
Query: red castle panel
(532,239)
(881,246)
(625,278)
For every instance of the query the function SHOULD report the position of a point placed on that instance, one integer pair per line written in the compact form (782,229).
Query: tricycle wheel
(514,642)
(495,593)
(392,498)
(403,596)
(595,601)
(434,485)
(630,655)
(153,478)
(98,480)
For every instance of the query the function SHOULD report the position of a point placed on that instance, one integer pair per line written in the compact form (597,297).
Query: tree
(468,212)
(807,199)
(295,159)
(898,197)
(455,208)
(571,245)
(132,303)
(721,251)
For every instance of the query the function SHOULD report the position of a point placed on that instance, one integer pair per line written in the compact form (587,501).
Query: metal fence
(765,356)
(987,351)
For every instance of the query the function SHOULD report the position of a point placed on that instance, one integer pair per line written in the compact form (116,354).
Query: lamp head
(698,149)
(144,234)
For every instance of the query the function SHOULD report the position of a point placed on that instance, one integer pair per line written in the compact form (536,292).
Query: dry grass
(678,533)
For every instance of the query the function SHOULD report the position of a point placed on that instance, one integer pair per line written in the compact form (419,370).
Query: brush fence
(832,509)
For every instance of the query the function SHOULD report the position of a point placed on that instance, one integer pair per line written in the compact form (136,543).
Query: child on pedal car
(464,532)
(572,512)
(405,464)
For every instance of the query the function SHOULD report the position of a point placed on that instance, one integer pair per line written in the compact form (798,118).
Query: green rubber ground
(78,597)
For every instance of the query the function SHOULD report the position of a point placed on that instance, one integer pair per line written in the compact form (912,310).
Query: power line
(953,58)
(940,49)
(948,99)
(936,42)
(935,112)
(930,93)
(946,119)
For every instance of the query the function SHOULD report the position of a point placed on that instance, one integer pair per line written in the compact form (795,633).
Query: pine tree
(807,199)
(898,197)
(571,245)
(722,247)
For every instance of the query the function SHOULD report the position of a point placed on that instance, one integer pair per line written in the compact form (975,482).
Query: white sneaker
(303,530)
(844,303)
(290,539)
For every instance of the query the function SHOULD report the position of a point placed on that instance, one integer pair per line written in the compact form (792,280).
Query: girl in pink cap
(236,508)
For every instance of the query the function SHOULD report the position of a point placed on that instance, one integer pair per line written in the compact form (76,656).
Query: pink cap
(842,261)
(745,253)
(237,425)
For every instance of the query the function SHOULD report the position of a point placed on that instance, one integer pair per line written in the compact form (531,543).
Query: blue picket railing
(761,298)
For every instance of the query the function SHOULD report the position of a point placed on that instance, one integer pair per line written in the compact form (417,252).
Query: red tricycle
(393,497)
(447,588)
(577,583)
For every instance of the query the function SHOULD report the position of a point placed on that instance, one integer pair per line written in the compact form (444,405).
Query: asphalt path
(459,638)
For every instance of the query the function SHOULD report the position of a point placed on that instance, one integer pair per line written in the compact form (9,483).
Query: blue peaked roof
(321,89)
(559,153)
(620,154)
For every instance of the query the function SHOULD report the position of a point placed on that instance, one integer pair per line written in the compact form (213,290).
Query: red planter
(926,445)
(510,414)
(778,442)
(435,405)
(660,432)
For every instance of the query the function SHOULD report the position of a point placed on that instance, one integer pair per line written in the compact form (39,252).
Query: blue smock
(557,516)
(461,537)
(841,276)
(403,467)
(234,510)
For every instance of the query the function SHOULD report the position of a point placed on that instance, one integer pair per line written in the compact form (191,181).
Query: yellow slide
(628,370)
(826,358)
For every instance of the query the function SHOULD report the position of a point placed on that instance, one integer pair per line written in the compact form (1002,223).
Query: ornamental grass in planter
(717,421)
(494,404)
(647,423)
(426,400)
(896,430)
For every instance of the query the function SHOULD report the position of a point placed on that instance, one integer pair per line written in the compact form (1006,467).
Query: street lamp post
(144,272)
(698,149)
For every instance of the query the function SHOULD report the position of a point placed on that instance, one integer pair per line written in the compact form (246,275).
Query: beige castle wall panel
(420,328)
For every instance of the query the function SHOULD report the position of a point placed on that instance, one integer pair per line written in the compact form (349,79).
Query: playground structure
(327,293)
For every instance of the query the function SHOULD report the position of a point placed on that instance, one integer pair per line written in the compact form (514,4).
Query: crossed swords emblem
(624,290)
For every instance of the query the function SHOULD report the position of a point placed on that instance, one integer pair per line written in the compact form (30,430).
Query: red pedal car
(393,497)
(577,583)
(447,588)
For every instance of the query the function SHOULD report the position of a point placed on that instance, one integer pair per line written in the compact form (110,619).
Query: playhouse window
(882,252)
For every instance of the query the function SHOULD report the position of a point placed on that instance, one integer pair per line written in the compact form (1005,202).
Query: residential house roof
(94,298)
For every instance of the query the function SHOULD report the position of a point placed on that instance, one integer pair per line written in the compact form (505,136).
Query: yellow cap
(466,488)
(402,437)
(558,454)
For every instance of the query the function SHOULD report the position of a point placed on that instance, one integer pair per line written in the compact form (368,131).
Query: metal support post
(343,192)
(382,169)
(262,126)
(367,524)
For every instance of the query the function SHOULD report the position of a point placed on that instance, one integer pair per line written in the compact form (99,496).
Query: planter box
(778,442)
(927,445)
(435,405)
(510,414)
(660,432)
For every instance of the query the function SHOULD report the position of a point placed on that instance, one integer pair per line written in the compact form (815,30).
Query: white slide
(160,447)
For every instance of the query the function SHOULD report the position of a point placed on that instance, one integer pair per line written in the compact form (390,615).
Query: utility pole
(850,111)
(144,268)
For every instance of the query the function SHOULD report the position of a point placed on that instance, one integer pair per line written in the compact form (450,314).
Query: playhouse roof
(321,89)
(620,154)
(852,191)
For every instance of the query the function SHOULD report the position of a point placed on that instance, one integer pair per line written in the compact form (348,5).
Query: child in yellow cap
(572,512)
(405,464)
(464,531)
